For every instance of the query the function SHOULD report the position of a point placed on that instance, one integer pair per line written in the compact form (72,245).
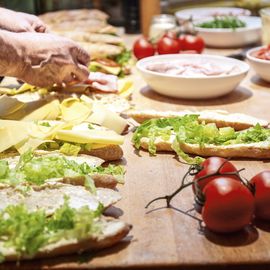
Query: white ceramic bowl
(261,67)
(229,38)
(198,13)
(196,87)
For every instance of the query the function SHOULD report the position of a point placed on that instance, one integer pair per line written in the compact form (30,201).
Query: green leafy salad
(188,129)
(223,22)
(36,170)
(28,232)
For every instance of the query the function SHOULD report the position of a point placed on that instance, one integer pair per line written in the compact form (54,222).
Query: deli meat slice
(103,82)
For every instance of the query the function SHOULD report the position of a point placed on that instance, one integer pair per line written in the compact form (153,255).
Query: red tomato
(168,45)
(192,43)
(210,166)
(262,194)
(143,48)
(228,207)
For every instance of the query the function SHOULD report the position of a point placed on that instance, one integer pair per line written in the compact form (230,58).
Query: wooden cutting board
(171,238)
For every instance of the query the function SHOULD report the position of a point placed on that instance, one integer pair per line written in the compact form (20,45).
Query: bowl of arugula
(229,31)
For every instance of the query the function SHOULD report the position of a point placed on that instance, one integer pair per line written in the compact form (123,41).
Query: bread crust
(252,150)
(100,180)
(238,121)
(109,152)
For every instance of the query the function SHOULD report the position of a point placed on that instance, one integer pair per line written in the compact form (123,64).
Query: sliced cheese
(30,144)
(12,133)
(75,110)
(125,88)
(111,70)
(9,105)
(104,117)
(49,111)
(90,136)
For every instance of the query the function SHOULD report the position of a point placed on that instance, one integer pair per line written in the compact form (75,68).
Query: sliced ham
(199,69)
(102,82)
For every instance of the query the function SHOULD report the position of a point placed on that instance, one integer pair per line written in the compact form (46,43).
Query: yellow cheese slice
(49,111)
(110,70)
(37,130)
(125,88)
(104,117)
(9,105)
(90,136)
(30,144)
(75,110)
(12,133)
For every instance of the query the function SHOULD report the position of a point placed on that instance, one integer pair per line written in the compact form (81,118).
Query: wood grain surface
(164,238)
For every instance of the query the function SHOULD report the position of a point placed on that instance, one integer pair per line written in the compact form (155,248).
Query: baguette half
(238,121)
(259,150)
(100,180)
(113,232)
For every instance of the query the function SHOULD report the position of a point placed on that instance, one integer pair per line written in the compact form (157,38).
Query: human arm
(42,59)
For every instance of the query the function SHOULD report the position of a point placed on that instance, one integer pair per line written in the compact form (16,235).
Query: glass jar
(265,15)
(161,24)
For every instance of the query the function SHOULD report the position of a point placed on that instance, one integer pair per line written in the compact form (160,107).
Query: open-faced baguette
(100,180)
(259,150)
(221,118)
(113,231)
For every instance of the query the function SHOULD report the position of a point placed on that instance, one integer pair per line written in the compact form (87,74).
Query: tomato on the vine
(261,184)
(143,48)
(229,205)
(167,45)
(191,43)
(213,165)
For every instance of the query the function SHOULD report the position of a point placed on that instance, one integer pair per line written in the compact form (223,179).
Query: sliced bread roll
(259,150)
(221,118)
(113,231)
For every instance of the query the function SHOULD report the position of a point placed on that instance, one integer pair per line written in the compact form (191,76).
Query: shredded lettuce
(36,170)
(123,58)
(188,129)
(28,232)
(70,149)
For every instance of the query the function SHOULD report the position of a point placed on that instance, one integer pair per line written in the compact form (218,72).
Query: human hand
(46,59)
(20,22)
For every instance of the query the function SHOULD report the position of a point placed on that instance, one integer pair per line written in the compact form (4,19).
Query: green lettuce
(188,129)
(36,170)
(27,232)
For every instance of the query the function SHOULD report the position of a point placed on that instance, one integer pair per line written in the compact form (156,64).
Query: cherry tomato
(211,165)
(261,182)
(189,42)
(143,48)
(228,207)
(168,45)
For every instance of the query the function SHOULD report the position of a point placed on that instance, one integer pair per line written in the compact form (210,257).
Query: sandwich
(95,35)
(42,167)
(67,138)
(190,134)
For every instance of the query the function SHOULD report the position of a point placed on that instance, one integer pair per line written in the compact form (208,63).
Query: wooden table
(170,238)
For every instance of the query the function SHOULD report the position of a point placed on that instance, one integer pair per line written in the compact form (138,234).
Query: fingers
(78,75)
(80,56)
